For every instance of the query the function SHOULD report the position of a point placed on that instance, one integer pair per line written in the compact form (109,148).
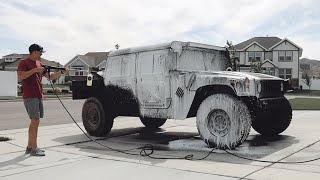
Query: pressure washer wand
(61,68)
(78,70)
(48,68)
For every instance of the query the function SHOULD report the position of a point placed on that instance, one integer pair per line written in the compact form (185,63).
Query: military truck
(180,80)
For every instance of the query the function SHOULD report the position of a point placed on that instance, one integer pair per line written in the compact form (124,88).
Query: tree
(306,79)
(234,60)
(256,66)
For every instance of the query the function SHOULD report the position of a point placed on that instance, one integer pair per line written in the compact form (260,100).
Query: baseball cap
(36,47)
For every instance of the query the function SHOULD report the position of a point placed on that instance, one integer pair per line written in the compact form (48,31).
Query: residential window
(269,71)
(237,55)
(282,55)
(8,59)
(285,55)
(285,73)
(288,55)
(258,56)
(76,68)
(79,73)
(251,56)
(254,56)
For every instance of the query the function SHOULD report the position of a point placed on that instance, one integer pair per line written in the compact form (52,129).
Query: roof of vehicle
(175,45)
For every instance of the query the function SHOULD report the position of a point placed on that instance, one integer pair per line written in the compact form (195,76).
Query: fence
(315,84)
(9,84)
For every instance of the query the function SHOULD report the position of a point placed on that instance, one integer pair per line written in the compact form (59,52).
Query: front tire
(96,120)
(274,120)
(223,121)
(152,123)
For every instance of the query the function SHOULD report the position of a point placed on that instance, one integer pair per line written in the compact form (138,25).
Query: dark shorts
(34,107)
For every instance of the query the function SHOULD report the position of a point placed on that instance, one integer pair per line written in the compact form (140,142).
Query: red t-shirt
(32,87)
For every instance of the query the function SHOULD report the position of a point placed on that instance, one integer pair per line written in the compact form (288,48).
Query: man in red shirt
(30,72)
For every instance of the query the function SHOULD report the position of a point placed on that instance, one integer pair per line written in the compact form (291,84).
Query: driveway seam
(276,162)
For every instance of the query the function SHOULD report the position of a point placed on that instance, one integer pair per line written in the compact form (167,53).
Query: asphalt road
(14,116)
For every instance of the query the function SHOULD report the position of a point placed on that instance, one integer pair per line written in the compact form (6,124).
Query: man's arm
(25,74)
(55,75)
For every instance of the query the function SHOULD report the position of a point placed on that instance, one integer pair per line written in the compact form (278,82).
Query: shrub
(65,91)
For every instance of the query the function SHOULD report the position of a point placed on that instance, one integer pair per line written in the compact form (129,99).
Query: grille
(271,89)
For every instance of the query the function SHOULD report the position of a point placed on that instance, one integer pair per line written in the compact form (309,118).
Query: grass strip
(305,104)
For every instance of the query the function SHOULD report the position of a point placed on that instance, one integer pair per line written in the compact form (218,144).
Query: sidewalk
(70,155)
(46,97)
(295,96)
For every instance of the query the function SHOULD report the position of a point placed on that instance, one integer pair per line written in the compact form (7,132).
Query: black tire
(223,121)
(96,120)
(275,120)
(152,123)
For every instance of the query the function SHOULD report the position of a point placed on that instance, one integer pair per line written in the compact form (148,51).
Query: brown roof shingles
(15,64)
(266,42)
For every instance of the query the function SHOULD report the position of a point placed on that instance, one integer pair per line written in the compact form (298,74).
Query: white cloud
(310,47)
(6,51)
(70,27)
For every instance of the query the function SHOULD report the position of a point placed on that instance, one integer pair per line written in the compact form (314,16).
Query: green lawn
(305,104)
(62,86)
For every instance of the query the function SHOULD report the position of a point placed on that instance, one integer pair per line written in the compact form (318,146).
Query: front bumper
(271,103)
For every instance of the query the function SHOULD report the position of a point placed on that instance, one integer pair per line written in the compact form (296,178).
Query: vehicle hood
(238,75)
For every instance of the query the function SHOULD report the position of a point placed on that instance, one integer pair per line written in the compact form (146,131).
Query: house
(278,57)
(86,63)
(9,59)
(10,63)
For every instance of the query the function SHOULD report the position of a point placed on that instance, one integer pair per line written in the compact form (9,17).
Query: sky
(67,28)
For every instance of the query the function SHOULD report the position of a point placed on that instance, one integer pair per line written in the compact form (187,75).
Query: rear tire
(152,123)
(96,120)
(273,121)
(223,121)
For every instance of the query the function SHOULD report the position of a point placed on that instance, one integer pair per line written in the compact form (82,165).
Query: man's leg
(34,108)
(32,142)
(33,133)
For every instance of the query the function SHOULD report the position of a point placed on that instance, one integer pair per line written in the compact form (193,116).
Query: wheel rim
(218,122)
(93,116)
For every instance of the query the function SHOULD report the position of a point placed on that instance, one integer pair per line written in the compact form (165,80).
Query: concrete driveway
(70,155)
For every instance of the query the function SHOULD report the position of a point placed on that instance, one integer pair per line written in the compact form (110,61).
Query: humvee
(180,80)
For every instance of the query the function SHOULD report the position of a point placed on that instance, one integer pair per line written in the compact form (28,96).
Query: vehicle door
(153,81)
